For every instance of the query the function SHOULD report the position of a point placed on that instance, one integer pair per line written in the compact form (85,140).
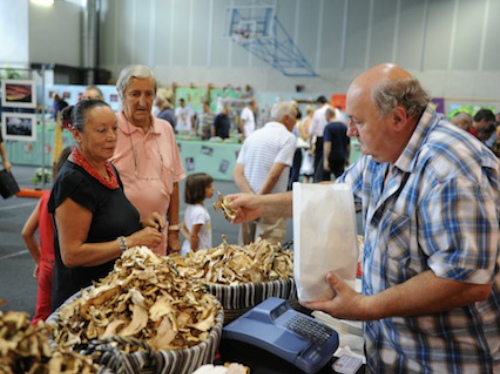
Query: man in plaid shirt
(430,196)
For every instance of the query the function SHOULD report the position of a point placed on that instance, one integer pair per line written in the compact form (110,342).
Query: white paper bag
(324,238)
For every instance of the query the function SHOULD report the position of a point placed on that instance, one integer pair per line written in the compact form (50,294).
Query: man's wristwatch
(173,227)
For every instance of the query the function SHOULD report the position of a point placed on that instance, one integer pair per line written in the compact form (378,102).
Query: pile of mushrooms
(145,298)
(231,264)
(26,349)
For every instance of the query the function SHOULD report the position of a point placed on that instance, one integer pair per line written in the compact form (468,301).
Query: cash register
(273,338)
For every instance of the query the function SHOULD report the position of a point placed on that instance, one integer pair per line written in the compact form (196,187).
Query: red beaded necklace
(112,184)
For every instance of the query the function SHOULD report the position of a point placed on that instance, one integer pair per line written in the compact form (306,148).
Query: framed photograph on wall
(19,126)
(18,93)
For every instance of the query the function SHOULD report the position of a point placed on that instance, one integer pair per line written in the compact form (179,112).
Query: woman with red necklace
(94,221)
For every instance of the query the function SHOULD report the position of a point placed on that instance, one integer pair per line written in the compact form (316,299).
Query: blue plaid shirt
(440,211)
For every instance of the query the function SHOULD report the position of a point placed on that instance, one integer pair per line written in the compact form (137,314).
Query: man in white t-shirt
(184,117)
(316,130)
(262,168)
(247,119)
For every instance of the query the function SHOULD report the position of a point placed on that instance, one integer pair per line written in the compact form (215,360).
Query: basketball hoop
(248,23)
(257,29)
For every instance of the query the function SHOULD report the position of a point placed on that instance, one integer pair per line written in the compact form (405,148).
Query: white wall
(54,33)
(452,45)
(14,33)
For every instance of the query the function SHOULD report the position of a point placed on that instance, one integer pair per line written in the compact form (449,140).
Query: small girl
(43,254)
(196,226)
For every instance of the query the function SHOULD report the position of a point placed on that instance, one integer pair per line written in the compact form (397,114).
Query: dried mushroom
(25,349)
(231,264)
(228,368)
(145,298)
(221,204)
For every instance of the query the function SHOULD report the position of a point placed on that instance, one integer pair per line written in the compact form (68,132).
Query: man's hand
(247,205)
(326,166)
(346,304)
(174,243)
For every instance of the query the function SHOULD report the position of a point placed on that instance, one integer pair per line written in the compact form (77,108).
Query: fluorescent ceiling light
(43,2)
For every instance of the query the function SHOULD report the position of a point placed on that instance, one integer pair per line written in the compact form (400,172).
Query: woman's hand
(148,236)
(155,220)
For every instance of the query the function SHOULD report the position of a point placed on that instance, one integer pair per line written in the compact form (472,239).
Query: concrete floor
(17,284)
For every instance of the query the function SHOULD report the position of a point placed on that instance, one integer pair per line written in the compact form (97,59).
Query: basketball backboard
(247,23)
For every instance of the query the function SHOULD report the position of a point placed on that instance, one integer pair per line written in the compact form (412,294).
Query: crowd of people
(429,189)
(205,123)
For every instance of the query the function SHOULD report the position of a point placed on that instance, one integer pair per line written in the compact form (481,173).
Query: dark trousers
(337,168)
(295,169)
(318,160)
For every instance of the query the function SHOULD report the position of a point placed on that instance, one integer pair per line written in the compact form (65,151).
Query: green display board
(471,109)
(194,97)
(30,153)
(355,150)
(216,93)
(214,158)
(219,159)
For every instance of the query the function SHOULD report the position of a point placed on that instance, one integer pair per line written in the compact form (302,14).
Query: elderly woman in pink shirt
(146,154)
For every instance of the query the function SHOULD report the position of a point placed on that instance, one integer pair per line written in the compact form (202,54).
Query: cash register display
(275,327)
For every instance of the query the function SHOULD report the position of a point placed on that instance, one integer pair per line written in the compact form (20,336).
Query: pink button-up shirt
(148,164)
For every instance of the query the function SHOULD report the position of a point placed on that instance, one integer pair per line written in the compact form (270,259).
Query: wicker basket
(179,361)
(238,299)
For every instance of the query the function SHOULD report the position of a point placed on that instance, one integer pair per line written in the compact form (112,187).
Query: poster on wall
(19,126)
(338,101)
(216,93)
(72,94)
(438,104)
(190,165)
(18,93)
(194,97)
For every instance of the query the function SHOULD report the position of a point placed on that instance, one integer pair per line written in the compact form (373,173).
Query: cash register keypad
(309,328)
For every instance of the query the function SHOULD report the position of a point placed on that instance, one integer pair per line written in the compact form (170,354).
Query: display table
(215,158)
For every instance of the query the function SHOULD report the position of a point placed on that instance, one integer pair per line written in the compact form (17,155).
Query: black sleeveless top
(112,216)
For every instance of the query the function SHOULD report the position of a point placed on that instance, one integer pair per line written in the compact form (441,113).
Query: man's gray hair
(330,113)
(280,110)
(405,92)
(133,71)
(463,116)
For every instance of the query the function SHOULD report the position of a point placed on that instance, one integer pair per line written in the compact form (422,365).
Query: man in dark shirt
(164,106)
(222,123)
(59,104)
(336,148)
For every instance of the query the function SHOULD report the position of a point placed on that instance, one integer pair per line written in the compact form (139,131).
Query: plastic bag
(325,238)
